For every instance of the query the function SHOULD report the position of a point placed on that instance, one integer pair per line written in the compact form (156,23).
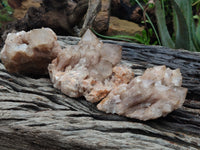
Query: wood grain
(36,116)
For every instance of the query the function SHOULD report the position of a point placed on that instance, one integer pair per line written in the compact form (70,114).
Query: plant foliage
(186,32)
(5,13)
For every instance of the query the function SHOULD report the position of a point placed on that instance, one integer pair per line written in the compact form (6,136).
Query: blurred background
(173,23)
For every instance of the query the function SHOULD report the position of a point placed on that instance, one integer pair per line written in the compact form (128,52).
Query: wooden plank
(34,115)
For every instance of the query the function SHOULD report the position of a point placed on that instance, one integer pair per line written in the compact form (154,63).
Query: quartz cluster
(30,52)
(90,69)
(154,94)
(94,70)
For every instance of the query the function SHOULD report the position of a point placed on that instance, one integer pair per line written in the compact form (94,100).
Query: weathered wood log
(36,116)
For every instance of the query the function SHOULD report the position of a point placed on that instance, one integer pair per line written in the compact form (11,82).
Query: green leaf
(198,37)
(195,37)
(185,11)
(162,27)
(126,38)
(198,1)
(151,6)
(182,32)
(196,17)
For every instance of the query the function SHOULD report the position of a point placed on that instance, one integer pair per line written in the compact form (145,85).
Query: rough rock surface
(14,3)
(23,6)
(49,14)
(124,9)
(123,27)
(154,94)
(30,52)
(89,69)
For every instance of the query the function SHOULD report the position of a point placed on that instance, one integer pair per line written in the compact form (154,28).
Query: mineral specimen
(30,52)
(89,69)
(154,94)
(93,69)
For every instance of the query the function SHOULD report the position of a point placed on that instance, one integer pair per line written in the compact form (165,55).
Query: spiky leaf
(162,27)
(182,31)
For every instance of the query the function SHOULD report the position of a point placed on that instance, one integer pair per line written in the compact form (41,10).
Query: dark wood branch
(34,115)
(93,8)
(101,21)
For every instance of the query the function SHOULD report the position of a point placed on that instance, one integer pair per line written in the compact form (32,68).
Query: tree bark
(36,116)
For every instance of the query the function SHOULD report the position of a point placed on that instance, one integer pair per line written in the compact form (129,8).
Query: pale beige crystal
(30,52)
(154,94)
(89,69)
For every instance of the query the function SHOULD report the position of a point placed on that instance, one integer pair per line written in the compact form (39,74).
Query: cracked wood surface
(36,116)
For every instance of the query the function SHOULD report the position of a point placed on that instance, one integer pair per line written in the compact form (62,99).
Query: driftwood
(36,116)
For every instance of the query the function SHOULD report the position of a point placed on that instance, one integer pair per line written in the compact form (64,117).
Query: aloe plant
(187,34)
